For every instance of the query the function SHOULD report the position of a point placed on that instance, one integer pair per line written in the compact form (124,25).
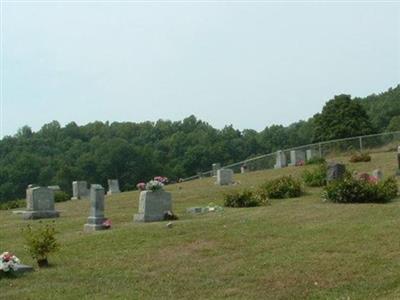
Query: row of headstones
(80,189)
(296,157)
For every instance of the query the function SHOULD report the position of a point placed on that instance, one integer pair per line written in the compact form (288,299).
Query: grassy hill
(295,248)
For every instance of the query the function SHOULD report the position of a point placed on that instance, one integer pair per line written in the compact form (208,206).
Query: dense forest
(134,152)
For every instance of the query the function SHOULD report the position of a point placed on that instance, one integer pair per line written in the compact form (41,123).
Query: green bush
(282,187)
(40,242)
(13,204)
(316,161)
(360,157)
(316,176)
(60,196)
(243,198)
(352,190)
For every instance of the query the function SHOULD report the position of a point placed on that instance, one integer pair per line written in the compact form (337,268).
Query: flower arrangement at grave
(141,186)
(8,262)
(300,163)
(154,185)
(107,223)
(162,179)
(368,178)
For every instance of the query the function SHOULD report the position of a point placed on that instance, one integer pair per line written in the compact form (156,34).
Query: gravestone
(280,160)
(244,169)
(311,153)
(224,176)
(215,168)
(113,187)
(377,174)
(335,171)
(79,190)
(55,188)
(398,161)
(297,157)
(39,204)
(96,217)
(153,205)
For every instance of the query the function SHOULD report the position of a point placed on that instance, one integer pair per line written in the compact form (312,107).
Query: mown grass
(292,249)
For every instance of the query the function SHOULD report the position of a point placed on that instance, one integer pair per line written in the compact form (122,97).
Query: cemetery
(320,243)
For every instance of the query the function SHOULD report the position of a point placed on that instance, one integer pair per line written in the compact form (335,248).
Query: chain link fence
(382,142)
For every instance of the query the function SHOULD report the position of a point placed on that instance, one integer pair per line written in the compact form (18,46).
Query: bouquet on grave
(154,185)
(162,179)
(8,262)
(141,186)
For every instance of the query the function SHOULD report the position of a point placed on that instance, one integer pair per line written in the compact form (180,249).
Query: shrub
(315,176)
(353,190)
(60,196)
(283,187)
(244,198)
(360,157)
(40,242)
(13,204)
(316,161)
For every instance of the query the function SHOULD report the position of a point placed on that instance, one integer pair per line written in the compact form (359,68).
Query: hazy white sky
(248,64)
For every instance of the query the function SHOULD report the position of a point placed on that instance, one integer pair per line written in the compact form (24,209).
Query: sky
(250,64)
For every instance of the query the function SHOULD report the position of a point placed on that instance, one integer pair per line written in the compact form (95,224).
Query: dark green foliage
(315,176)
(243,198)
(282,187)
(316,161)
(60,196)
(352,190)
(341,117)
(360,157)
(40,241)
(13,204)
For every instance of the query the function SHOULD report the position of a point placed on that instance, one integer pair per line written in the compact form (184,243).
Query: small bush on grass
(283,187)
(243,198)
(353,190)
(360,157)
(316,176)
(13,204)
(60,196)
(316,161)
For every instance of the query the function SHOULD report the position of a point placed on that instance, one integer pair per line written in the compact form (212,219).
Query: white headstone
(311,153)
(224,176)
(79,190)
(153,205)
(377,174)
(215,168)
(280,160)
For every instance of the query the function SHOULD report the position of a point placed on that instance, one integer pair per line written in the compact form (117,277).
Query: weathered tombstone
(40,204)
(113,187)
(280,160)
(297,157)
(55,188)
(311,153)
(96,218)
(153,205)
(335,171)
(215,168)
(79,190)
(377,174)
(244,169)
(224,176)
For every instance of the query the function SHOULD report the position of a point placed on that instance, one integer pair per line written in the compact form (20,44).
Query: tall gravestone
(40,204)
(335,171)
(224,177)
(113,187)
(153,206)
(79,190)
(215,168)
(297,157)
(311,153)
(96,218)
(280,160)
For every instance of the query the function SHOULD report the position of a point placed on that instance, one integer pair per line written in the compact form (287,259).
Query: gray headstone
(153,206)
(311,153)
(296,157)
(224,176)
(215,168)
(377,174)
(79,190)
(113,187)
(55,188)
(280,160)
(40,204)
(335,171)
(96,217)
(244,169)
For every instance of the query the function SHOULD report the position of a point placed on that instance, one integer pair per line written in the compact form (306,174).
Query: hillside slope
(295,248)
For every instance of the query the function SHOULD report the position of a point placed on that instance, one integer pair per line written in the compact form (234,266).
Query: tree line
(134,152)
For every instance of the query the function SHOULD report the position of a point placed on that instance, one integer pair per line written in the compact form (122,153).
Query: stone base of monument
(153,206)
(95,224)
(40,214)
(23,269)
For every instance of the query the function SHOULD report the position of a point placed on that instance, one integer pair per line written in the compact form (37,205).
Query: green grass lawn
(292,249)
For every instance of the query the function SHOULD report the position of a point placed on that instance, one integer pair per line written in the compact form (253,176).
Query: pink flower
(107,223)
(141,186)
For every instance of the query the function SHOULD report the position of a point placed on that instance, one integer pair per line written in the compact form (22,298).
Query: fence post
(361,144)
